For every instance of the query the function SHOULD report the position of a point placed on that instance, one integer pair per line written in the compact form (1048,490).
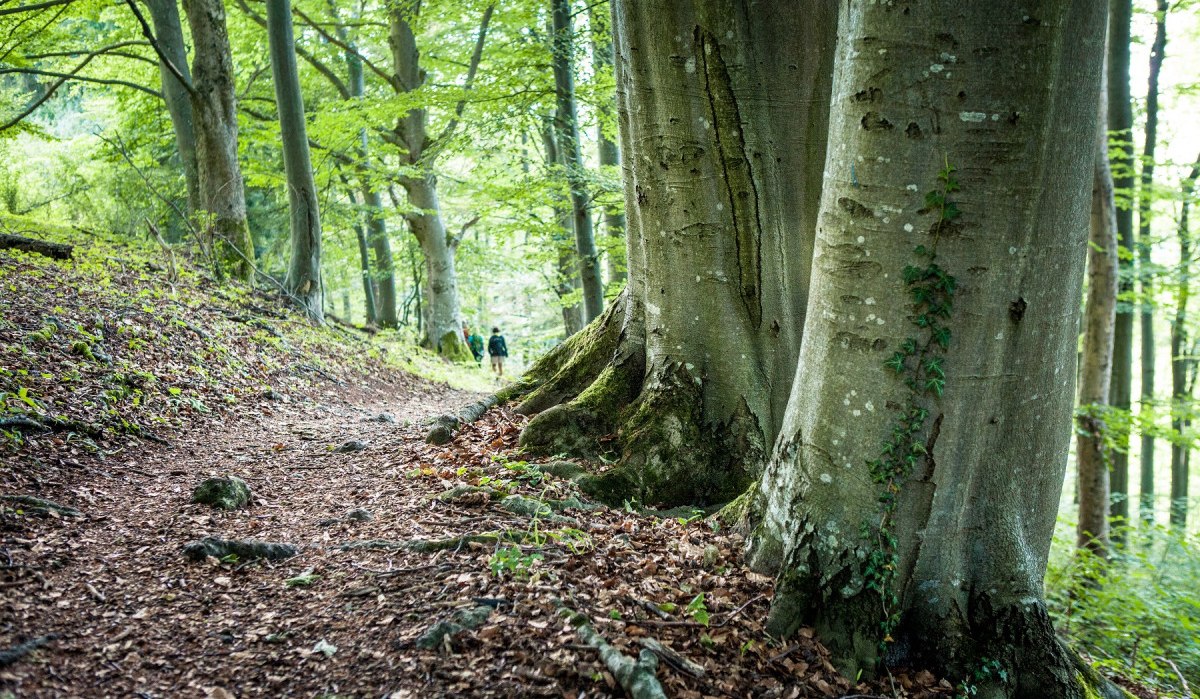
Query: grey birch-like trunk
(691,366)
(566,122)
(304,270)
(364,258)
(214,116)
(1096,371)
(1006,95)
(568,281)
(443,318)
(608,151)
(168,32)
(1145,213)
(1181,398)
(1120,126)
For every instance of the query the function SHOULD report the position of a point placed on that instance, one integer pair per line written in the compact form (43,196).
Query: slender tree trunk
(168,32)
(568,281)
(304,271)
(1181,398)
(214,115)
(691,366)
(1145,242)
(1120,126)
(364,257)
(1098,325)
(566,121)
(914,505)
(607,149)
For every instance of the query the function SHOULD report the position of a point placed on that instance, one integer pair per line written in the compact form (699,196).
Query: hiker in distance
(498,349)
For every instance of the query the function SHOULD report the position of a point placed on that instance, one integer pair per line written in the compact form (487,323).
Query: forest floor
(420,570)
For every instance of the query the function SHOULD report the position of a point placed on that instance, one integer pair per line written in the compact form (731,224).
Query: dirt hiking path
(127,615)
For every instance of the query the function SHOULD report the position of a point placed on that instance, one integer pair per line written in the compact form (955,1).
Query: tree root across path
(57,251)
(637,677)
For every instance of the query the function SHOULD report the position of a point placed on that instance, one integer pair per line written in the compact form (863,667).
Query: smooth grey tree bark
(691,367)
(364,258)
(419,152)
(566,127)
(168,33)
(567,282)
(304,269)
(1095,374)
(1120,126)
(1146,283)
(1007,96)
(214,115)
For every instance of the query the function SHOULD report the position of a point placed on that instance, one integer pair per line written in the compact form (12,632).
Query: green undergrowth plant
(918,363)
(1137,615)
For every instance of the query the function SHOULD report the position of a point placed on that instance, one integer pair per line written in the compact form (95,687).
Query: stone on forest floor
(226,493)
(242,550)
(350,447)
(359,515)
(462,620)
(386,418)
(38,506)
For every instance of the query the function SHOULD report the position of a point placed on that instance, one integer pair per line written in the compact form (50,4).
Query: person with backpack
(475,342)
(498,349)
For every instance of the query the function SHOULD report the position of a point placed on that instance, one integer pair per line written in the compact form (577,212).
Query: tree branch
(34,8)
(472,68)
(64,77)
(312,60)
(162,57)
(387,77)
(107,51)
(82,78)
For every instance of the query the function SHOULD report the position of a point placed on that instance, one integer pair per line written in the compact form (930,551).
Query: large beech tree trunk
(566,127)
(1120,124)
(304,270)
(1091,451)
(168,32)
(214,115)
(691,366)
(1007,95)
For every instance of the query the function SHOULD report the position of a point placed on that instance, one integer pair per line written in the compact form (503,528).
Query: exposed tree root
(440,633)
(636,677)
(41,507)
(434,545)
(444,426)
(12,655)
(244,550)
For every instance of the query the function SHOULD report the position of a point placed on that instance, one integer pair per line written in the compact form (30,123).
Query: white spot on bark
(936,68)
(999,336)
(861,239)
(870,406)
(697,278)
(690,64)
(870,301)
(879,321)
(995,117)
(948,58)
(826,478)
(720,206)
(975,117)
(882,51)
(870,318)
(908,228)
(729,35)
(853,393)
(887,219)
(911,187)
(856,413)
(1012,250)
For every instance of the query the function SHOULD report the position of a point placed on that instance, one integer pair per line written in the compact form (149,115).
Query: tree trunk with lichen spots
(726,111)
(1096,371)
(1008,97)
(1181,394)
(214,115)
